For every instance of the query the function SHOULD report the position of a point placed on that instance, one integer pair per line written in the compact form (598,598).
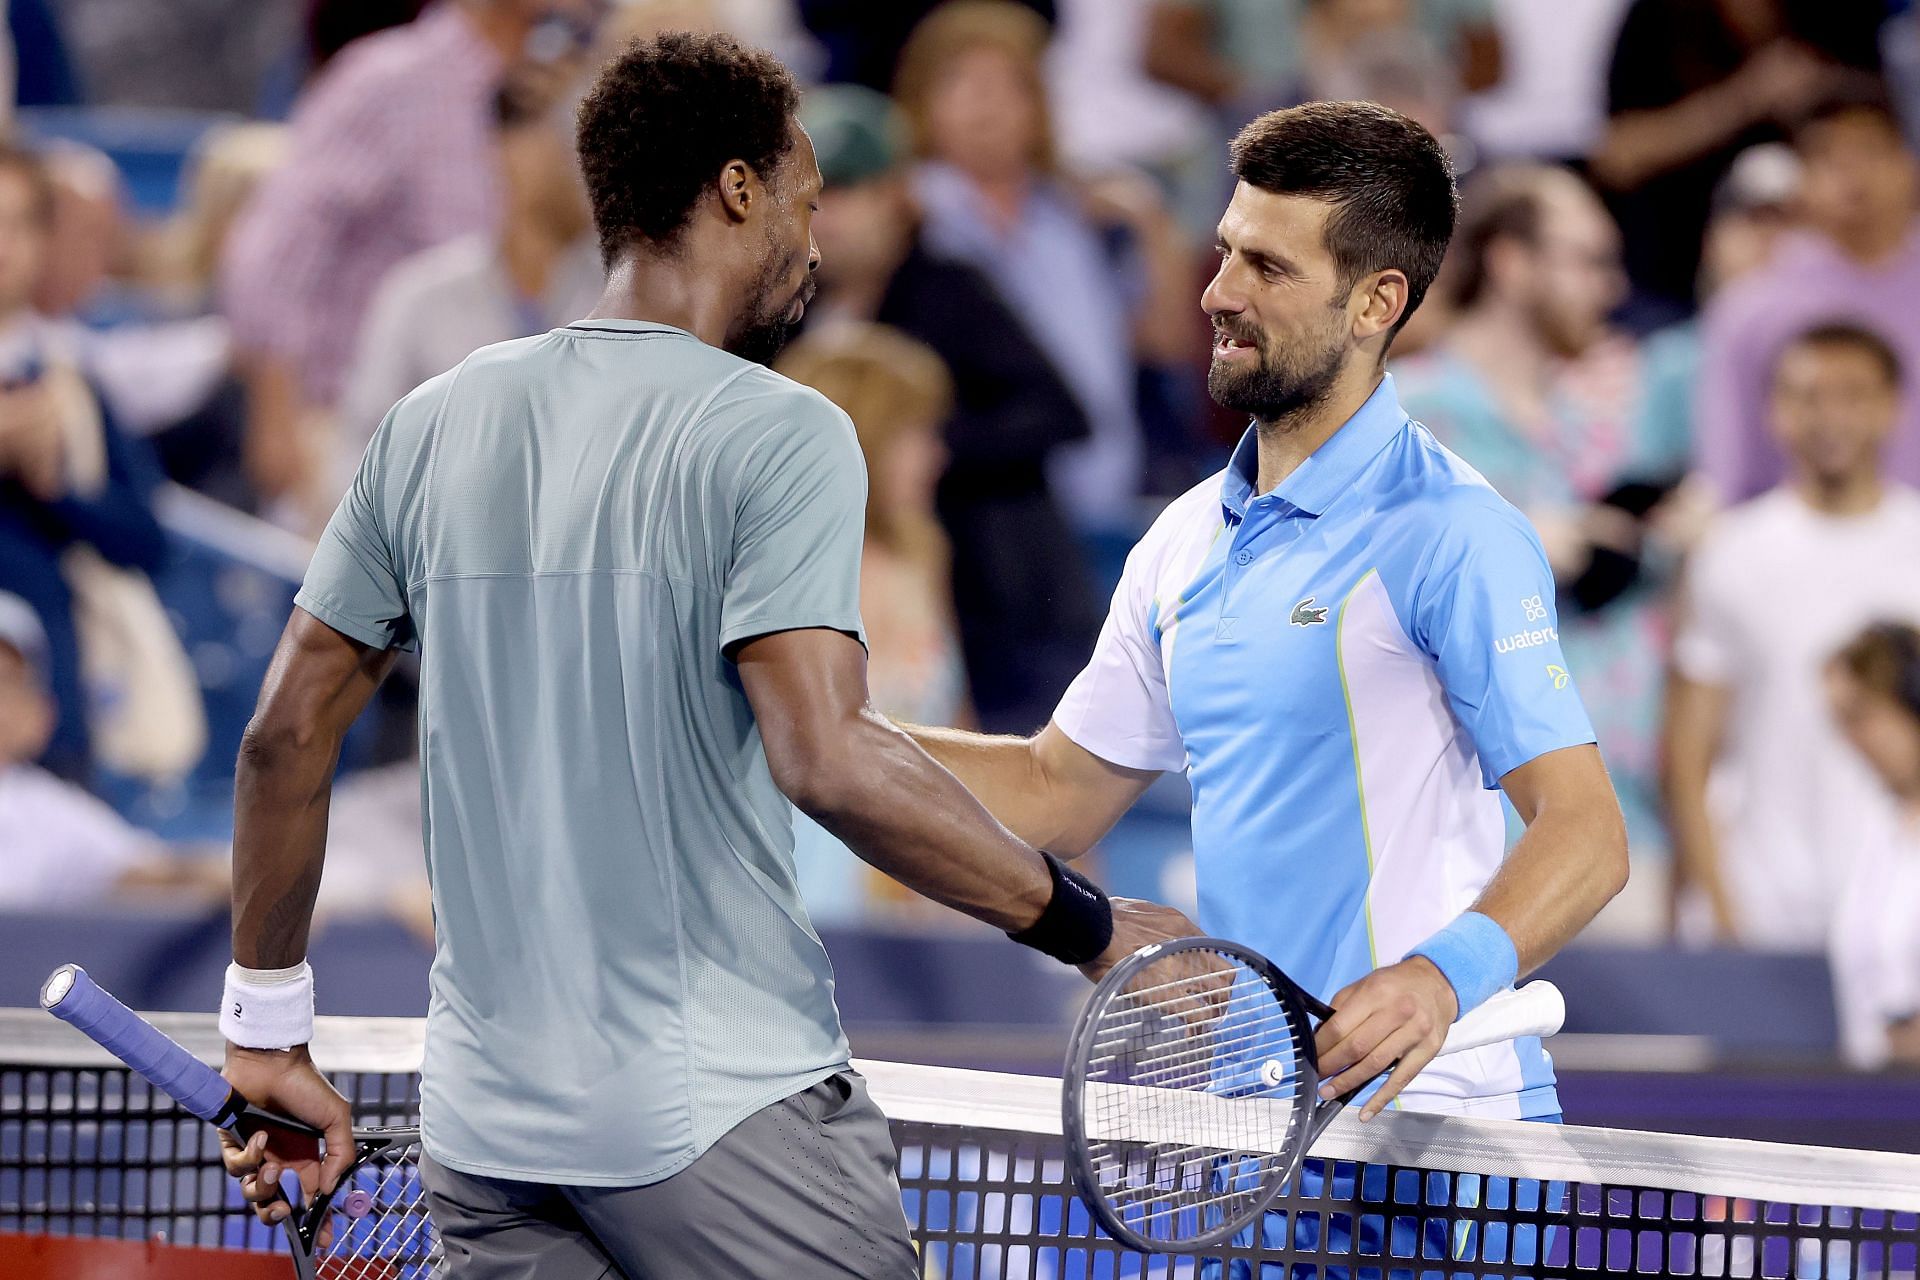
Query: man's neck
(1847,496)
(1285,444)
(669,290)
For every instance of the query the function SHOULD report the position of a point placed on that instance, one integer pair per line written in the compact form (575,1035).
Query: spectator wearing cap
(1025,603)
(60,846)
(391,151)
(1856,259)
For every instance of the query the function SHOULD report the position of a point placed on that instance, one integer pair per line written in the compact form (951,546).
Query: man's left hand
(1399,1014)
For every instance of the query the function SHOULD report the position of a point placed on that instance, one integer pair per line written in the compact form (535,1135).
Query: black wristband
(1078,922)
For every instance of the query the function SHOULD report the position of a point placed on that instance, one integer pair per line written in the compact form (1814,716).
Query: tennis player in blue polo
(1348,642)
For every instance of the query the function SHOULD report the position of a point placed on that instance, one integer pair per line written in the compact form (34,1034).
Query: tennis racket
(372,1226)
(1190,1092)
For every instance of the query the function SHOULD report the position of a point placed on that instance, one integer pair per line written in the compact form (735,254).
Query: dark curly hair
(661,121)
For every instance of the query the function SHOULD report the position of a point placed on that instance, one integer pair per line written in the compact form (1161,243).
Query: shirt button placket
(1238,558)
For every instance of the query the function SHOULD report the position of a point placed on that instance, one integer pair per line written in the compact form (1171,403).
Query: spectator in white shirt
(60,846)
(1764,801)
(1874,687)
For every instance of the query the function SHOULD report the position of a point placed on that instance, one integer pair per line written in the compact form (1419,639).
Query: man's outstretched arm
(318,684)
(867,782)
(1048,789)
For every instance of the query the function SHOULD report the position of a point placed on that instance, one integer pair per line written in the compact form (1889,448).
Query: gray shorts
(804,1188)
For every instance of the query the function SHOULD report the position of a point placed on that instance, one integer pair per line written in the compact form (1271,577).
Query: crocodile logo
(1305,615)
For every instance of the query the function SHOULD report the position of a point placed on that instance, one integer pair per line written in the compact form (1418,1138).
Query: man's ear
(1382,299)
(739,188)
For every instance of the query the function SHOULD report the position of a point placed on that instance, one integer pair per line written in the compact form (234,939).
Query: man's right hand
(1136,923)
(287,1082)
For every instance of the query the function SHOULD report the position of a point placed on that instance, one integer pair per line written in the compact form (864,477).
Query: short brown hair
(1389,181)
(958,28)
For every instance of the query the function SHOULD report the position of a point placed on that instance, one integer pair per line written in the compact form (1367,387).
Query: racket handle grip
(1537,1009)
(74,998)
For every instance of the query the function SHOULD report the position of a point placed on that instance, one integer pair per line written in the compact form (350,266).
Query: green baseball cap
(858,134)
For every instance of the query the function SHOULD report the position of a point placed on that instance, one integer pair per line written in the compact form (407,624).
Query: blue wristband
(1476,956)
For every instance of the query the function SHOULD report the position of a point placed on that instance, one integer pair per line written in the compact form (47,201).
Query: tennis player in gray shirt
(629,557)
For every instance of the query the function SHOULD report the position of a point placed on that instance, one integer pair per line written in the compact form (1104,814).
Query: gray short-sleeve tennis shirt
(572,528)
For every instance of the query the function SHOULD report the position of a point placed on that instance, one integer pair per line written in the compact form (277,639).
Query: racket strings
(1171,1052)
(380,1226)
(1191,1096)
(1201,1046)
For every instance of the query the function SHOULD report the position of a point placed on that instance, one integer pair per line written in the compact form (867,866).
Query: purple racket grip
(73,997)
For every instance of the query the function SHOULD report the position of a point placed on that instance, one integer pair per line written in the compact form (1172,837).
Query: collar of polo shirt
(1331,469)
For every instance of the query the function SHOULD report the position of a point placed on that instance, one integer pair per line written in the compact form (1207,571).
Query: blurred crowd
(1677,328)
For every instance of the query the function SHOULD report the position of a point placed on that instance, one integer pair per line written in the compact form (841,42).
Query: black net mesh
(88,1151)
(93,1152)
(989,1205)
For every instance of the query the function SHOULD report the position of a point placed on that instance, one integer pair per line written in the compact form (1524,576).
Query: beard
(1286,381)
(769,323)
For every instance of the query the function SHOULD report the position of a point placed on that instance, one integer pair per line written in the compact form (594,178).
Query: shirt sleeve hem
(1492,771)
(765,626)
(366,633)
(1160,755)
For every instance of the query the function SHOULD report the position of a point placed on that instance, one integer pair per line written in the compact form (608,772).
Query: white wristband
(268,1008)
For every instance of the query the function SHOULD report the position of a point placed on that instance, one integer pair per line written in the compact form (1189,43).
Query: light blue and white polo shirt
(1345,668)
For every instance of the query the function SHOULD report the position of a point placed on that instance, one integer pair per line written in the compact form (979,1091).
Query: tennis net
(86,1149)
